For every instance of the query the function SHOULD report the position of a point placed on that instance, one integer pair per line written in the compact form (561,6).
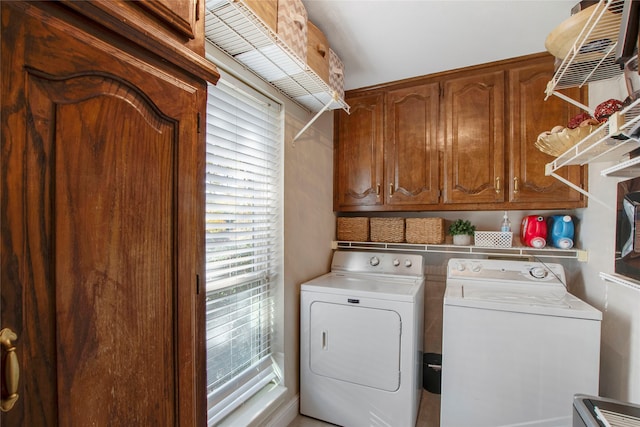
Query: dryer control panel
(399,264)
(507,271)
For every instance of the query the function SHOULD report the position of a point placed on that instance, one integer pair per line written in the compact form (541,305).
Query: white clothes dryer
(361,329)
(517,346)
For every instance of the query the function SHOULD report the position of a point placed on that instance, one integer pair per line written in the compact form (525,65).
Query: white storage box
(494,239)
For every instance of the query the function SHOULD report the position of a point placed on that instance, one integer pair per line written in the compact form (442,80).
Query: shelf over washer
(515,251)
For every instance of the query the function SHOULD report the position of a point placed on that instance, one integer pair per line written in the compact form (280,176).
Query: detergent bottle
(533,231)
(560,231)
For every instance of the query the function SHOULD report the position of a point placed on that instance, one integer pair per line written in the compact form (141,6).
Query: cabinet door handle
(498,185)
(390,189)
(11,369)
(377,189)
(515,185)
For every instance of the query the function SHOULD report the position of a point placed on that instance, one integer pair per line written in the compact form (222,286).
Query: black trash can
(432,372)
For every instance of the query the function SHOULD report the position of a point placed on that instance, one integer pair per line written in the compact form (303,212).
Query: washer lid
(519,298)
(366,285)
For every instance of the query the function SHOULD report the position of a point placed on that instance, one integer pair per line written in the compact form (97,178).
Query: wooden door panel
(112,302)
(474,138)
(530,116)
(100,247)
(411,146)
(359,155)
(102,213)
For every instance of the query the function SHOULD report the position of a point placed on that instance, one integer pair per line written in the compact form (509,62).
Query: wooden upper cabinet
(178,15)
(173,29)
(473,116)
(530,115)
(359,153)
(411,146)
(457,140)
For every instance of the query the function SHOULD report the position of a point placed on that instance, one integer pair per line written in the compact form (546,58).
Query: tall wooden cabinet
(459,140)
(102,220)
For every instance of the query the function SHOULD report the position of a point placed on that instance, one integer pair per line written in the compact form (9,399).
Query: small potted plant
(461,230)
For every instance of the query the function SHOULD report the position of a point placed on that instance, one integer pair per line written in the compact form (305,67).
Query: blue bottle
(561,231)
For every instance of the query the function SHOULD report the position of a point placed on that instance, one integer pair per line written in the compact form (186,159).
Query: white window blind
(243,235)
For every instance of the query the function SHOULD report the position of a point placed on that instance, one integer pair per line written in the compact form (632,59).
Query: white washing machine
(516,345)
(361,329)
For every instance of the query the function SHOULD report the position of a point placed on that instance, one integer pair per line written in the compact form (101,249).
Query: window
(243,242)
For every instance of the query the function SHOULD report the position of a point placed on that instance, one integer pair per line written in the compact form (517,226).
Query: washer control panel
(378,262)
(508,271)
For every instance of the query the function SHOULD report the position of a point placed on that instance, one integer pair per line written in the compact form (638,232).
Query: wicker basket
(389,230)
(425,230)
(493,239)
(355,229)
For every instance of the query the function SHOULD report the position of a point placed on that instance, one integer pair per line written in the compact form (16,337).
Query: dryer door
(356,344)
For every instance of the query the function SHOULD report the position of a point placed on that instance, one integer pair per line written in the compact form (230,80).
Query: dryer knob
(539,272)
(396,262)
(374,261)
(460,266)
(407,263)
(476,268)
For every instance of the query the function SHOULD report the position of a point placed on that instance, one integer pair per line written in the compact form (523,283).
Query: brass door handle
(377,189)
(391,189)
(498,185)
(515,185)
(11,370)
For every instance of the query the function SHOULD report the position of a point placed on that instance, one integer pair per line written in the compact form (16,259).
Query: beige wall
(309,222)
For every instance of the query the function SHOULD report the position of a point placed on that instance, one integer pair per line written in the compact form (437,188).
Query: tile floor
(428,415)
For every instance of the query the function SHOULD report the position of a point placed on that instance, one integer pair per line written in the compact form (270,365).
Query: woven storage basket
(389,230)
(355,229)
(494,239)
(425,230)
(292,26)
(336,74)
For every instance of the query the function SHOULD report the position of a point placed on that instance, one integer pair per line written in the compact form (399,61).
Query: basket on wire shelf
(388,230)
(425,230)
(355,229)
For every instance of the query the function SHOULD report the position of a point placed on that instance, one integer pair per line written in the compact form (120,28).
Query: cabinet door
(411,146)
(530,115)
(101,190)
(473,114)
(359,154)
(177,14)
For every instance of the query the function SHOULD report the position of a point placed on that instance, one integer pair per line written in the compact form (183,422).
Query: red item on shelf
(606,109)
(576,120)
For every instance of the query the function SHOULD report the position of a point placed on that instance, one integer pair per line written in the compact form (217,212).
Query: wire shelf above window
(237,31)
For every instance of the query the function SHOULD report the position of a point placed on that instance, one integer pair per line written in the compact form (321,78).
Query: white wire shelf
(628,168)
(620,280)
(592,56)
(514,251)
(609,142)
(238,32)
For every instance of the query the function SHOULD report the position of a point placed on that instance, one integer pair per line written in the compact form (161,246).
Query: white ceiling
(381,41)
